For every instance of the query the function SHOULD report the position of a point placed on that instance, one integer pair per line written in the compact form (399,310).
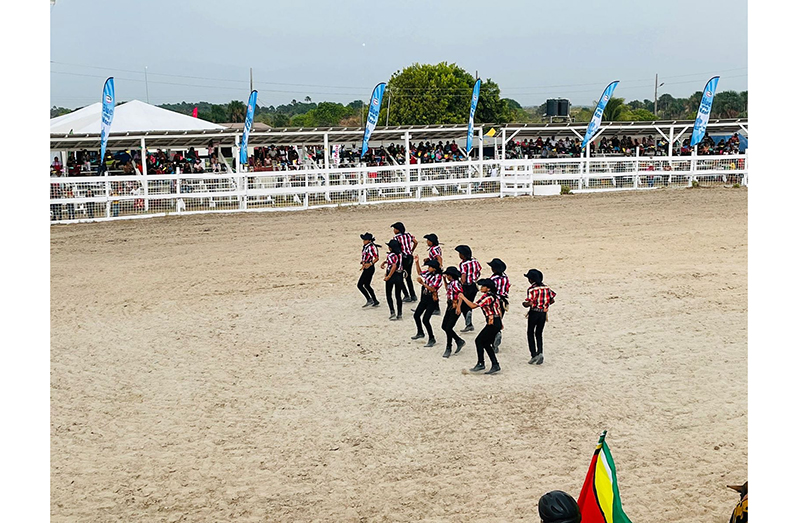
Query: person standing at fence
(434,253)
(453,291)
(369,256)
(393,278)
(409,244)
(470,269)
(538,299)
(489,303)
(502,291)
(430,281)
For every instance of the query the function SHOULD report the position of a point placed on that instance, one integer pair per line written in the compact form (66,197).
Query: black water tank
(551,107)
(563,107)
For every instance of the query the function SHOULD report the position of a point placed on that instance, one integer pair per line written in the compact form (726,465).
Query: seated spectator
(56,167)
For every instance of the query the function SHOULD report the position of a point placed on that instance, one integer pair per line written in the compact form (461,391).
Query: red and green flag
(600,501)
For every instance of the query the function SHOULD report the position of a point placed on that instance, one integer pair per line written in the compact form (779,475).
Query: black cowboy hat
(454,272)
(368,236)
(394,245)
(434,264)
(534,275)
(432,237)
(497,264)
(400,226)
(465,250)
(487,282)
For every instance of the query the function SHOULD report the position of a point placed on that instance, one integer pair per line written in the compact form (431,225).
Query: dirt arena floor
(220,368)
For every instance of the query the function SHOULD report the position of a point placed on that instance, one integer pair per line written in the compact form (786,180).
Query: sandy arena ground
(220,368)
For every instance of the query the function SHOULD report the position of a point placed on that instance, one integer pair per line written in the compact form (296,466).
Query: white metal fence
(94,198)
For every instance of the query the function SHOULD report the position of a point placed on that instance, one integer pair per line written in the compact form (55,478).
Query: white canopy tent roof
(132,116)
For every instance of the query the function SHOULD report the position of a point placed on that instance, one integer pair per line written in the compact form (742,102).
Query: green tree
(327,114)
(638,115)
(582,114)
(280,120)
(425,94)
(236,110)
(59,111)
(614,109)
(218,114)
(728,104)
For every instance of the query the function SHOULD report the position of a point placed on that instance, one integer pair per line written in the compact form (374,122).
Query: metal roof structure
(391,134)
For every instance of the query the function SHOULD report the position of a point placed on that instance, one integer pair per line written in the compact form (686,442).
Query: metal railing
(95,198)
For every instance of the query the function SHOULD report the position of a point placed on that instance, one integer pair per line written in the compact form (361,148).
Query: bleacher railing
(96,198)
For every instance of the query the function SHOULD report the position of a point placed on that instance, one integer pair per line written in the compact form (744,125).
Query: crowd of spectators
(618,146)
(282,158)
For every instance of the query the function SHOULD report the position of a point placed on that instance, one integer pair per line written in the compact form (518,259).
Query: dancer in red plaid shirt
(538,299)
(409,244)
(434,253)
(502,291)
(489,303)
(470,270)
(368,259)
(453,291)
(393,278)
(430,281)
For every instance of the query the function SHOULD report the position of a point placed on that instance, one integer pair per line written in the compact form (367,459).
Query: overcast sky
(202,50)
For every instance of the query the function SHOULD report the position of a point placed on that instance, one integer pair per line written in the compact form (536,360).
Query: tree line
(439,94)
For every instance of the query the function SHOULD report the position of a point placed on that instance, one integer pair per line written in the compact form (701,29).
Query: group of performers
(462,284)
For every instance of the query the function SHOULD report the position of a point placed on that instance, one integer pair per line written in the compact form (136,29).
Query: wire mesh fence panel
(681,165)
(124,196)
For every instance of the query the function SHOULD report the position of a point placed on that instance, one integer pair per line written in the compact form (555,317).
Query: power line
(440,89)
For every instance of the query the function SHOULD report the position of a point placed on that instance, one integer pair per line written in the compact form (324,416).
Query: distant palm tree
(236,110)
(307,99)
(613,110)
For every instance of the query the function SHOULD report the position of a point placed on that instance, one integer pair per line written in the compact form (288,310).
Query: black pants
(449,321)
(424,310)
(90,209)
(364,283)
(395,285)
(407,265)
(485,339)
(56,210)
(71,210)
(534,331)
(470,292)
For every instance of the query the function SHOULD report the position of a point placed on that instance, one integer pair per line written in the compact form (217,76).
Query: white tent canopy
(132,116)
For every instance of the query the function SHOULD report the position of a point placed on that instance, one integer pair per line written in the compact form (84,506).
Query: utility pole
(146,84)
(657,85)
(251,84)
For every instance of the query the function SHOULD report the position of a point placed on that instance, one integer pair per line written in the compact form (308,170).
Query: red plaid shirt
(453,290)
(369,254)
(432,279)
(406,240)
(490,306)
(391,260)
(434,251)
(502,284)
(540,297)
(471,269)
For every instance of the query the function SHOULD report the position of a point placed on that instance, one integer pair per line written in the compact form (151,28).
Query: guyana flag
(599,501)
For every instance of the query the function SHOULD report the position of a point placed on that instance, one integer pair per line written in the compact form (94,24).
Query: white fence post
(637,167)
(146,186)
(107,195)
